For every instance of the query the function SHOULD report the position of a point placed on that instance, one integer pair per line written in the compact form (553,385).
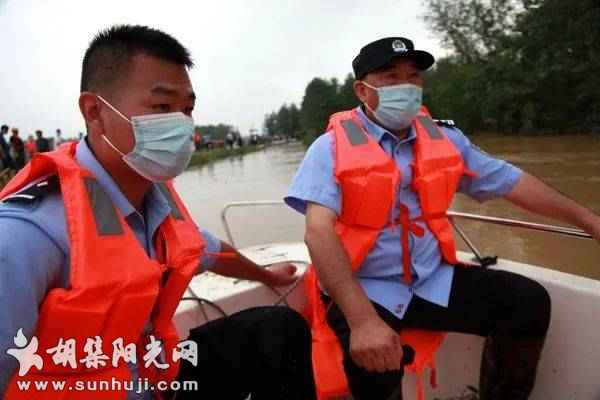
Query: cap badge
(398,46)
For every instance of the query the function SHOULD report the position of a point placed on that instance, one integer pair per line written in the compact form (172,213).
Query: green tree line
(322,97)
(515,67)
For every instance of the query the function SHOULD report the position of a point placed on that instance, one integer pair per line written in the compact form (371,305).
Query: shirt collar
(156,203)
(379,133)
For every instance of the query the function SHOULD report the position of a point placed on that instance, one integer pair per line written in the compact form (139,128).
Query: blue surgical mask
(398,104)
(163,144)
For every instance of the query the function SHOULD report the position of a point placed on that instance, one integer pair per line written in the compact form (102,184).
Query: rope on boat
(202,301)
(281,296)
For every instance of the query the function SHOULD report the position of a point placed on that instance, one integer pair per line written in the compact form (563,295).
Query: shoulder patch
(445,122)
(35,190)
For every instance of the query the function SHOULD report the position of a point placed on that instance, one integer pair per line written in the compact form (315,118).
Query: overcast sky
(250,56)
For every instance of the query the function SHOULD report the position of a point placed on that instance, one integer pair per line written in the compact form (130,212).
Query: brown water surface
(569,163)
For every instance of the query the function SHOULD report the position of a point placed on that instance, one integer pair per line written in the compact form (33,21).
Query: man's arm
(30,265)
(373,344)
(497,178)
(315,193)
(534,195)
(235,265)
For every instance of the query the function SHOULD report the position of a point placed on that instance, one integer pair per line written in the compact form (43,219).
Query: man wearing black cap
(375,189)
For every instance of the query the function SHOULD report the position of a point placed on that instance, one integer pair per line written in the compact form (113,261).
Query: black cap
(380,52)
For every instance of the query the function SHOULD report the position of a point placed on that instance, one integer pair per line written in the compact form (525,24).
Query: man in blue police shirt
(143,71)
(371,306)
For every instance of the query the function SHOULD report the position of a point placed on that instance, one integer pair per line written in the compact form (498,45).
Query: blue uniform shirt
(381,272)
(34,254)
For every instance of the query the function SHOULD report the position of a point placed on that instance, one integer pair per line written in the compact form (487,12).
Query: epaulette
(35,190)
(445,122)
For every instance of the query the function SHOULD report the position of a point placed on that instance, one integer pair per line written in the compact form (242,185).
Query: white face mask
(398,104)
(163,144)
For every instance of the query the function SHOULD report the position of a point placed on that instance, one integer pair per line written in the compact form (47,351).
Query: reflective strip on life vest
(430,128)
(355,135)
(175,211)
(105,215)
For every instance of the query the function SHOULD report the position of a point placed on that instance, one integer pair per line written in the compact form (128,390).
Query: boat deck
(568,369)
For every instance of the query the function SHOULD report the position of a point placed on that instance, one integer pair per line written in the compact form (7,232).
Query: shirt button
(399,308)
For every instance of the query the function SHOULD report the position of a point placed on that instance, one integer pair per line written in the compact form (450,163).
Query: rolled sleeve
(212,245)
(493,177)
(30,265)
(314,181)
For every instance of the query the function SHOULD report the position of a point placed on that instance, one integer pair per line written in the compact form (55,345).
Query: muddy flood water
(569,163)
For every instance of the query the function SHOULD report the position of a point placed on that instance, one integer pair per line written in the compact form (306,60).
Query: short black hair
(4,127)
(109,53)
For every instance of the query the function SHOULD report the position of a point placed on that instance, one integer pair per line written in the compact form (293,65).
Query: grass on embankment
(204,157)
(199,158)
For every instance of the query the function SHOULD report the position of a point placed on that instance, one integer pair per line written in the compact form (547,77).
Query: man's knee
(284,322)
(541,305)
(533,308)
(373,385)
(285,316)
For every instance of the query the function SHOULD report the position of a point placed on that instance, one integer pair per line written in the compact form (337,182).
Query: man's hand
(375,346)
(240,267)
(281,274)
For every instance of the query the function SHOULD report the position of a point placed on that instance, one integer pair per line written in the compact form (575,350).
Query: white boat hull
(570,364)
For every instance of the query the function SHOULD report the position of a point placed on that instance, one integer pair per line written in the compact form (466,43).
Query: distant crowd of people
(15,152)
(232,140)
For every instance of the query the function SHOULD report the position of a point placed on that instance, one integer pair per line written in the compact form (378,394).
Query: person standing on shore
(5,154)
(42,143)
(30,148)
(18,149)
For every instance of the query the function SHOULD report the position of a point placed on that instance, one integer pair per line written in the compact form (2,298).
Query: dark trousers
(265,351)
(510,310)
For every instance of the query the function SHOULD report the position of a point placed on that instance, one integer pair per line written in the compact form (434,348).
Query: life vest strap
(409,225)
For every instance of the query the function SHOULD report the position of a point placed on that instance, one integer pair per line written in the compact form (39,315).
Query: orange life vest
(115,287)
(368,179)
